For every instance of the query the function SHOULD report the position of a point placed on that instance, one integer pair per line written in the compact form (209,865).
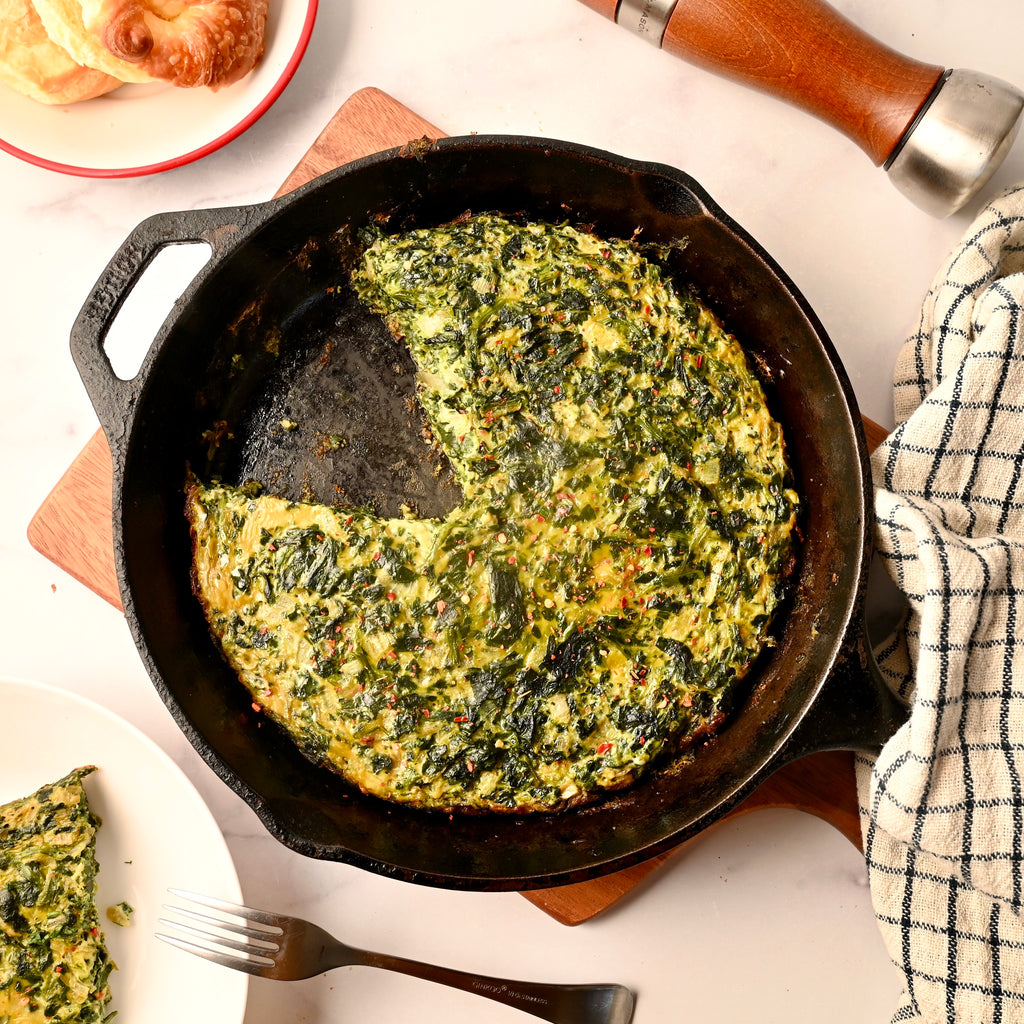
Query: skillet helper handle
(112,397)
(801,51)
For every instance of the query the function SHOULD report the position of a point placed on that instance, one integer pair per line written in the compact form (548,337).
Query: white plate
(143,129)
(157,832)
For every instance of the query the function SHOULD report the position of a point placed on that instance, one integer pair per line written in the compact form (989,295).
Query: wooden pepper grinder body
(801,51)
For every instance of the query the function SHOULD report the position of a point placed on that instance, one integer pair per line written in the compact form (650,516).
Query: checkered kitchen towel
(943,806)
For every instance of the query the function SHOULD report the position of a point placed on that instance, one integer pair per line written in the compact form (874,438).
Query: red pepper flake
(256,707)
(699,360)
(687,701)
(425,712)
(647,551)
(441,606)
(391,595)
(470,557)
(604,748)
(376,556)
(461,718)
(511,559)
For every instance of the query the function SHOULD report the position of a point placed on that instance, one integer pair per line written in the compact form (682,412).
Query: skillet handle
(801,51)
(112,397)
(855,709)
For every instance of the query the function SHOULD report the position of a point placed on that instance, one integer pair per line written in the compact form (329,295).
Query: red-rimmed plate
(143,129)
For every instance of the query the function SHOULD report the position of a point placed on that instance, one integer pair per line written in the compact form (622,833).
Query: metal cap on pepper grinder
(939,134)
(956,142)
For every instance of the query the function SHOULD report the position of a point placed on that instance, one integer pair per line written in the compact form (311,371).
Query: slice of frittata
(54,963)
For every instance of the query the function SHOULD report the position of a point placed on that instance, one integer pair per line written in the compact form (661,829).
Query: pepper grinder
(938,133)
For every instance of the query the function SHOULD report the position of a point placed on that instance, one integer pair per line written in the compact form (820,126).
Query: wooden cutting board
(73,528)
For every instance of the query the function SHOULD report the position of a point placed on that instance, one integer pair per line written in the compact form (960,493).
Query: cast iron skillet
(269,332)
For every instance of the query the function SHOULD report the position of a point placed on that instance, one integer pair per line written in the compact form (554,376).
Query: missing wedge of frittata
(592,606)
(54,965)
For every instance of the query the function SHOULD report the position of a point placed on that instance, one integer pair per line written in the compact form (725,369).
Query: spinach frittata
(54,965)
(605,584)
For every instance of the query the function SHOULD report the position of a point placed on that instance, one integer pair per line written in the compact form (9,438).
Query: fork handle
(560,1004)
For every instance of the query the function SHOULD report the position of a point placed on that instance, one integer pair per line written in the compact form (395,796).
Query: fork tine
(263,933)
(214,933)
(234,909)
(256,965)
(264,949)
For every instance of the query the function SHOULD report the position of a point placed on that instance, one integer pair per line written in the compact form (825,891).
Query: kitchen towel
(943,804)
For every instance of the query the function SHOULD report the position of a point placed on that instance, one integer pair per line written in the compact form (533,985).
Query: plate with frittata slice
(96,823)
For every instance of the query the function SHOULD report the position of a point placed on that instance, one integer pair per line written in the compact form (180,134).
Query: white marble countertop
(767,918)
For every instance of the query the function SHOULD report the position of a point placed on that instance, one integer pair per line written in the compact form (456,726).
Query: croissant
(37,67)
(189,43)
(63,22)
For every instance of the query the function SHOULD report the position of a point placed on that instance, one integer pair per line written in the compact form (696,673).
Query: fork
(288,949)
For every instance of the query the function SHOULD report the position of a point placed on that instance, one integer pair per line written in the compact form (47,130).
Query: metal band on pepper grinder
(646,18)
